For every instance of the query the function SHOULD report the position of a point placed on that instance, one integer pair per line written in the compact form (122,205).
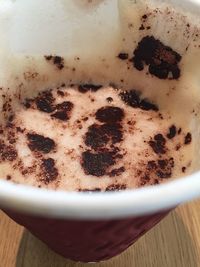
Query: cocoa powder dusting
(158,144)
(83,88)
(40,143)
(132,98)
(8,177)
(100,135)
(116,187)
(188,139)
(63,110)
(117,172)
(96,164)
(56,60)
(44,102)
(123,56)
(161,60)
(90,190)
(7,152)
(49,171)
(110,114)
(172,132)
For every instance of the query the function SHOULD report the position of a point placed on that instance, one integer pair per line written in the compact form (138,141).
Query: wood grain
(175,242)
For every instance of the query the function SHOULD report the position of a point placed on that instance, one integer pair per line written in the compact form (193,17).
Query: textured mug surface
(88,241)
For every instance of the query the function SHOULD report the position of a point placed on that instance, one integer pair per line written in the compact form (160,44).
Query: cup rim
(99,205)
(109,205)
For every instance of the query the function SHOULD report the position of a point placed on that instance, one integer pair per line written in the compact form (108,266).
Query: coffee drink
(105,120)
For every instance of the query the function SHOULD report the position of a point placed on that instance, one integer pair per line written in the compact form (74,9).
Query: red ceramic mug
(87,227)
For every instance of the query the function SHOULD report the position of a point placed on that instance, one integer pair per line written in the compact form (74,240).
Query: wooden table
(175,242)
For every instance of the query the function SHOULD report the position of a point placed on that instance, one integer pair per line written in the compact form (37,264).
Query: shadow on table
(168,244)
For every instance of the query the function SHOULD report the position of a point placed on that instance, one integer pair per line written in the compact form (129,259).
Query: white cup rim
(110,205)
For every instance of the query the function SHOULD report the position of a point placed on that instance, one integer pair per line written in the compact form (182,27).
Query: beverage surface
(92,138)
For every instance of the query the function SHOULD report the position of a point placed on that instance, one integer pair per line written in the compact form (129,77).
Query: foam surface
(90,138)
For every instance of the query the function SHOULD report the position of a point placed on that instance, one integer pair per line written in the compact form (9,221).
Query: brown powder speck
(116,187)
(56,60)
(165,168)
(183,169)
(162,60)
(110,114)
(90,190)
(132,98)
(117,172)
(63,111)
(144,17)
(20,130)
(83,88)
(7,153)
(142,27)
(172,132)
(109,99)
(100,135)
(8,177)
(6,106)
(44,102)
(123,56)
(40,143)
(96,164)
(85,119)
(158,144)
(60,93)
(49,171)
(162,168)
(178,147)
(188,139)
(27,103)
(144,179)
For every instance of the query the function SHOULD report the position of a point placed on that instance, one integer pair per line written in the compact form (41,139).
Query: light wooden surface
(175,242)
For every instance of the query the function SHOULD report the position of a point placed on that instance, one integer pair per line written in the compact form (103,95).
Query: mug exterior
(88,240)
